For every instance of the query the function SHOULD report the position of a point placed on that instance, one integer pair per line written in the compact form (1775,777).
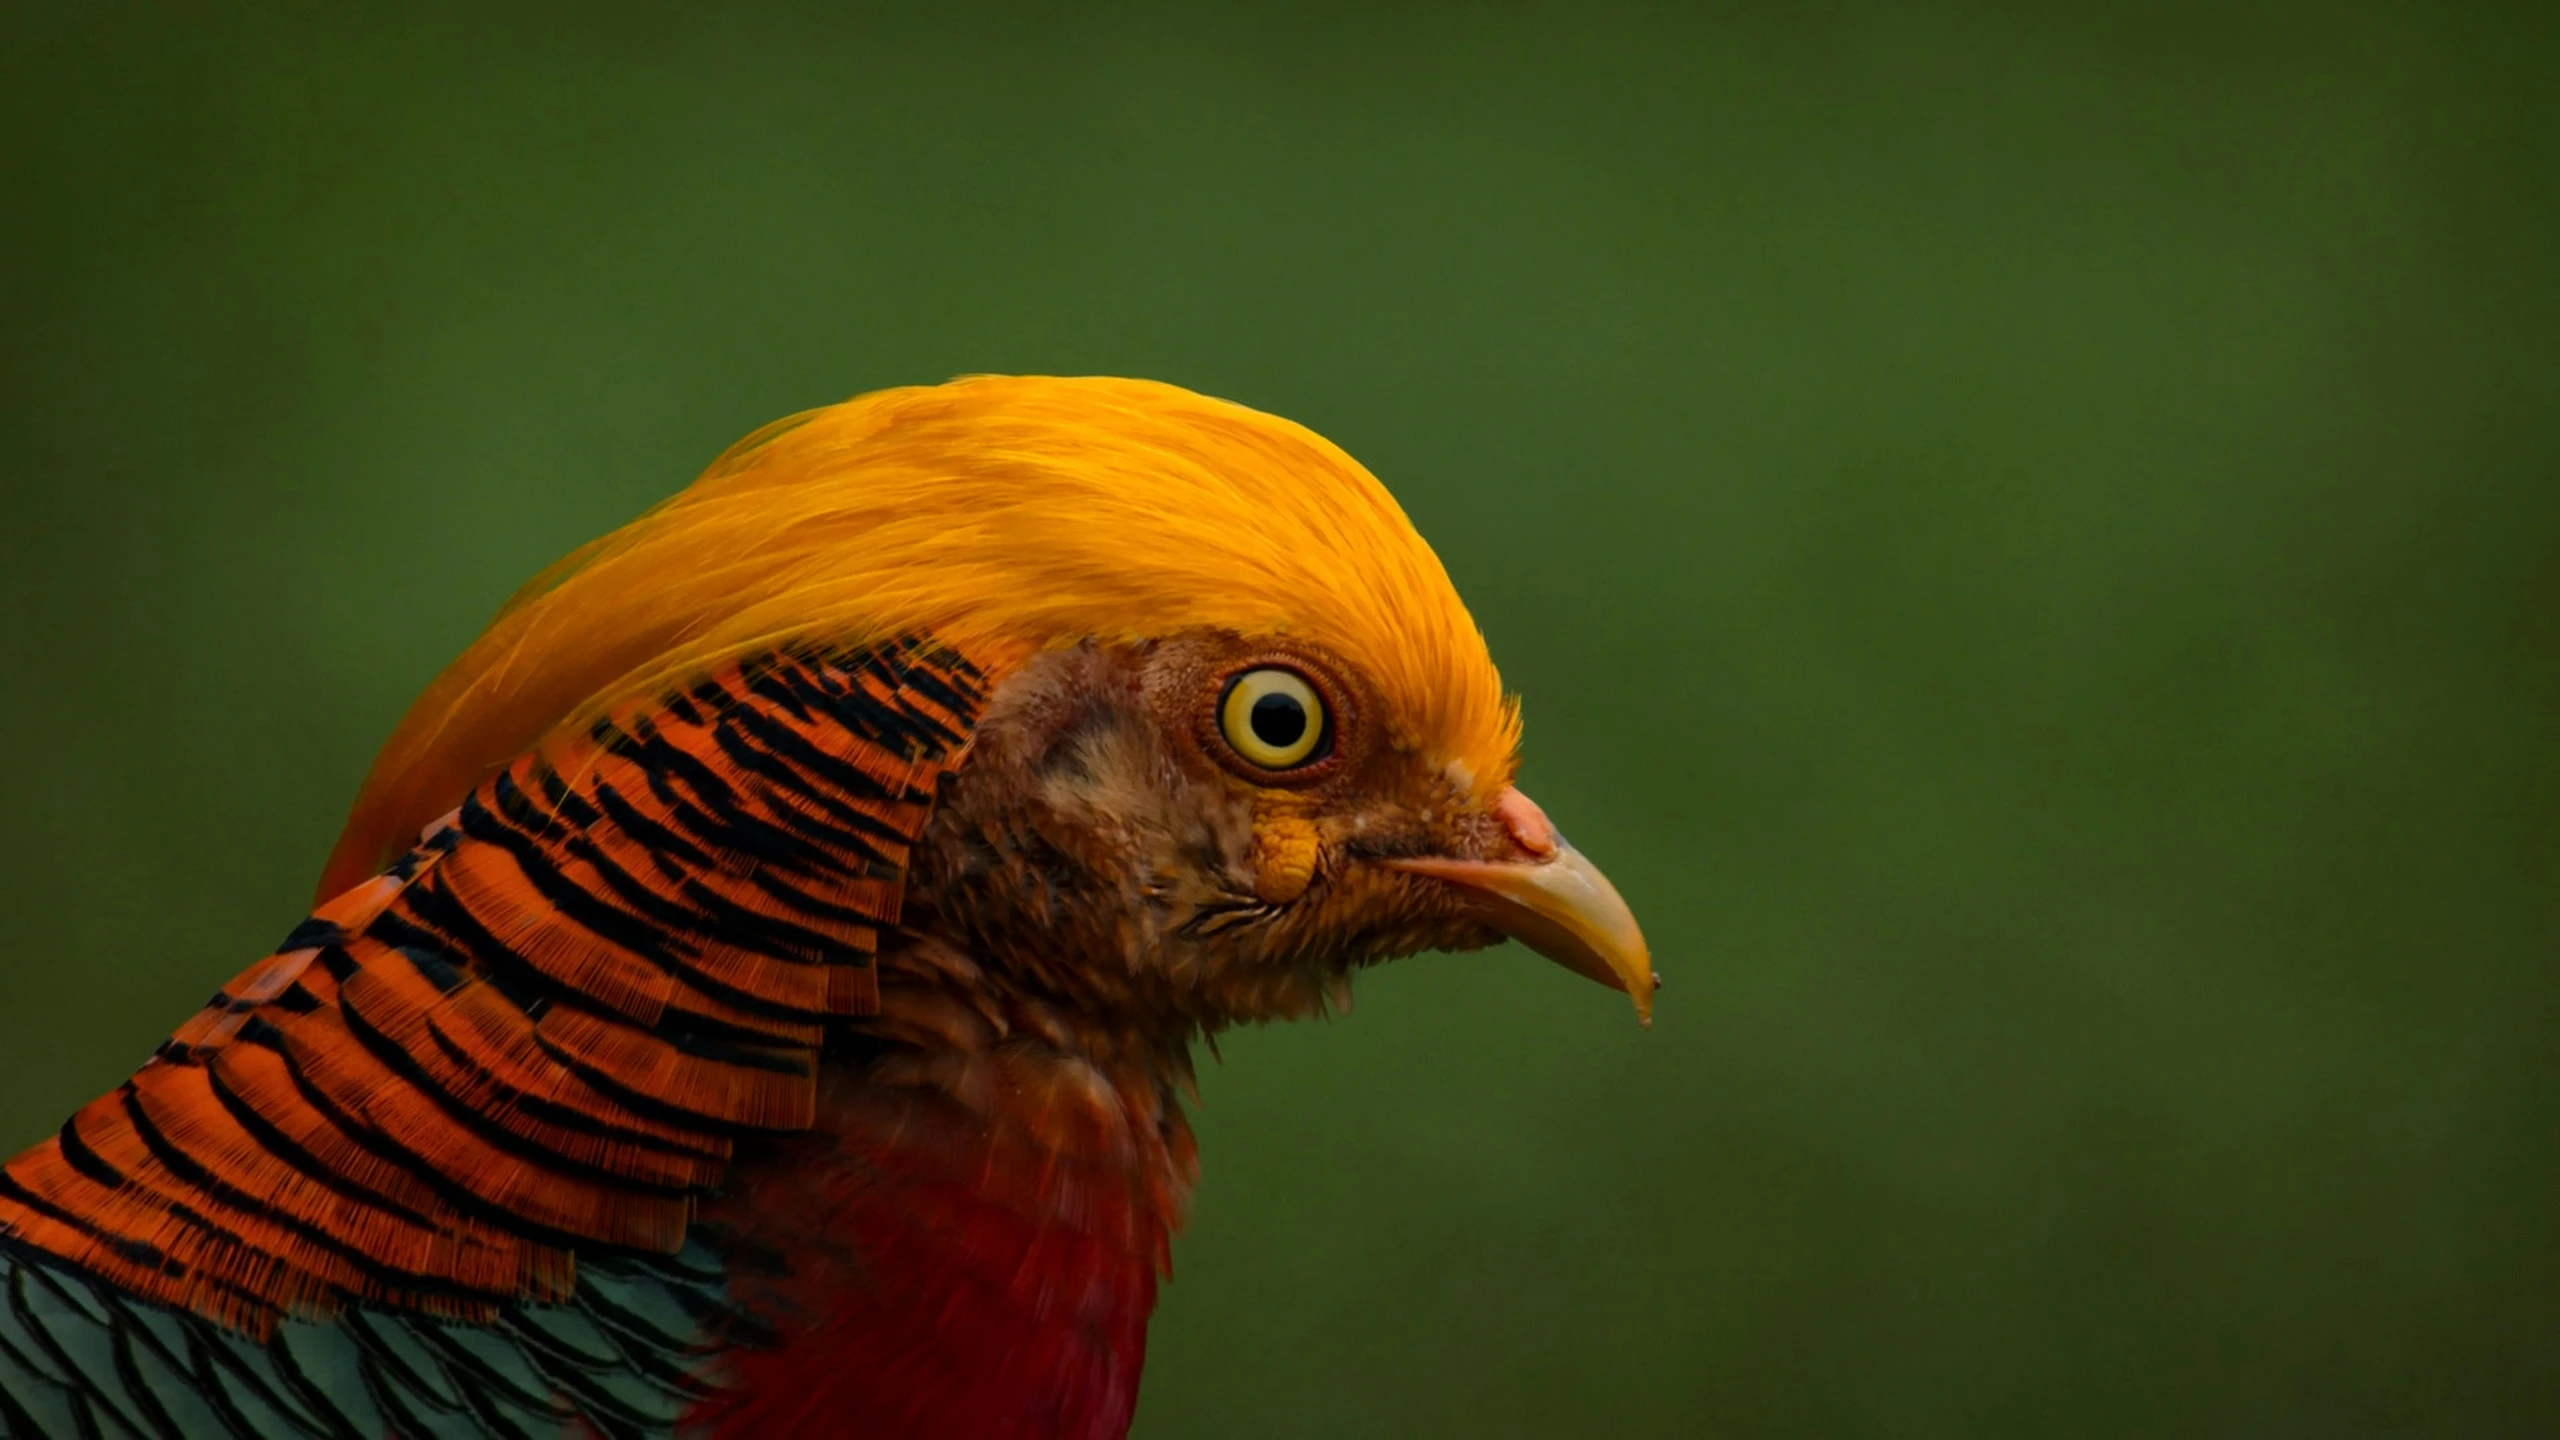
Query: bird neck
(968,1241)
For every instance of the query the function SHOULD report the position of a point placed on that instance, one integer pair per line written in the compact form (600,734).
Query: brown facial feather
(1104,847)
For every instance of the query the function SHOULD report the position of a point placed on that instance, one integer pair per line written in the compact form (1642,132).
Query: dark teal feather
(622,1360)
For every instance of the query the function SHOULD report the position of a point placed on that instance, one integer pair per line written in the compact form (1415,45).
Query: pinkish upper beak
(1556,902)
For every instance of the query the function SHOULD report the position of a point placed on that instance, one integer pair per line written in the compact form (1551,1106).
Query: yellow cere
(1273,718)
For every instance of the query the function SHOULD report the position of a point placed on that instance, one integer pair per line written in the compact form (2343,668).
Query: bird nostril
(1530,828)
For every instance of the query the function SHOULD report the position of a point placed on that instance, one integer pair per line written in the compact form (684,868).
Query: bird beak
(1555,901)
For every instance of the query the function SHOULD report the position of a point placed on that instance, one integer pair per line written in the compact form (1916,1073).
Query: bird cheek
(1284,856)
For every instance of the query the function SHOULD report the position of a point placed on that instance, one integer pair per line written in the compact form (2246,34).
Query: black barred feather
(431,1168)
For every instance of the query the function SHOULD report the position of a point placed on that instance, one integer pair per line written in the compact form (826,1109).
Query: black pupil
(1279,721)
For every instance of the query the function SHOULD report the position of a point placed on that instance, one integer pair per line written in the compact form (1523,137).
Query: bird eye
(1272,718)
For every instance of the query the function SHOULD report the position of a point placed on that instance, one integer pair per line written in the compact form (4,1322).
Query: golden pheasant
(753,994)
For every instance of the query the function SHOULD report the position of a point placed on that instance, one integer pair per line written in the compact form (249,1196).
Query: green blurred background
(2029,540)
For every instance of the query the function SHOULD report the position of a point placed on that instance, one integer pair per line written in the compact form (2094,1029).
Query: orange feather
(1001,514)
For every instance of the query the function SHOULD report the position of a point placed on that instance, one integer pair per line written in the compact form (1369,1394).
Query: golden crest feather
(1001,515)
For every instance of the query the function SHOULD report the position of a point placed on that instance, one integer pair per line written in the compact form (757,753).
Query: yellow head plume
(1000,514)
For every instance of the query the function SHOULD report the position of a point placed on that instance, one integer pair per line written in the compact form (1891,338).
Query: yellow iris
(1273,718)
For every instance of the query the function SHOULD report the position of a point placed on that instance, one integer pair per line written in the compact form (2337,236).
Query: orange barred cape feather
(542,1027)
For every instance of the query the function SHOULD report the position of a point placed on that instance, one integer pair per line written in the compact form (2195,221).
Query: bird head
(1240,736)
